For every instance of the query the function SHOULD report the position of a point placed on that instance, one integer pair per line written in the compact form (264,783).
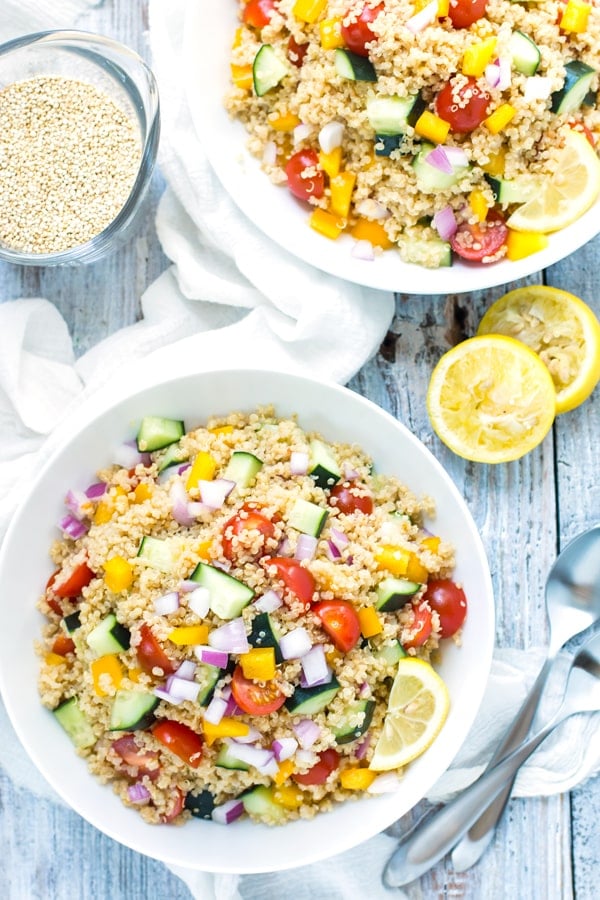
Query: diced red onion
(230,637)
(537,87)
(215,710)
(250,738)
(212,657)
(505,80)
(138,793)
(384,784)
(301,133)
(213,493)
(198,601)
(349,560)
(306,547)
(78,504)
(167,473)
(332,551)
(492,74)
(423,18)
(187,670)
(350,474)
(299,462)
(187,586)
(284,748)
(372,209)
(364,690)
(307,733)
(314,666)
(306,758)
(179,499)
(232,708)
(270,769)
(439,160)
(196,509)
(270,153)
(285,548)
(361,749)
(128,456)
(331,136)
(295,644)
(457,156)
(227,812)
(363,250)
(167,604)
(96,490)
(224,565)
(444,222)
(339,538)
(166,695)
(182,689)
(269,602)
(72,527)
(249,753)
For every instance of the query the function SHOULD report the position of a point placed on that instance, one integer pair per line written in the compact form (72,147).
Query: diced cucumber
(346,732)
(385,144)
(200,805)
(322,465)
(268,70)
(429,178)
(307,517)
(243,468)
(432,253)
(525,53)
(310,701)
(207,676)
(72,622)
(174,455)
(132,710)
(391,115)
(156,432)
(157,552)
(263,633)
(354,67)
(109,636)
(393,593)
(507,190)
(390,653)
(228,596)
(259,802)
(226,759)
(75,722)
(578,80)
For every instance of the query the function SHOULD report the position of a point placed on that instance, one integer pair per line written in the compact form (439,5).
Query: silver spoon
(429,843)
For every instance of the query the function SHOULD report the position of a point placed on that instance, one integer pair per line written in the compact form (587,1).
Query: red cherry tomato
(421,627)
(180,740)
(349,501)
(177,805)
(301,185)
(256,699)
(150,653)
(448,600)
(73,584)
(298,580)
(340,621)
(465,107)
(464,12)
(359,32)
(329,760)
(296,52)
(62,645)
(258,13)
(482,241)
(130,753)
(248,518)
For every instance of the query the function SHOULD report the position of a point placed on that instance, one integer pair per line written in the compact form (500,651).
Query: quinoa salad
(229,610)
(443,129)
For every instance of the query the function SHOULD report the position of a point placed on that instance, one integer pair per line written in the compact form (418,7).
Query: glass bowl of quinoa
(222,400)
(81,123)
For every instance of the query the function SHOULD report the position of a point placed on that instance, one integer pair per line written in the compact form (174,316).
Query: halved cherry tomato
(481,241)
(296,52)
(421,627)
(340,621)
(358,33)
(305,186)
(464,12)
(248,518)
(258,13)
(348,501)
(130,753)
(180,740)
(62,645)
(329,760)
(176,806)
(73,584)
(150,653)
(464,107)
(297,579)
(255,698)
(448,600)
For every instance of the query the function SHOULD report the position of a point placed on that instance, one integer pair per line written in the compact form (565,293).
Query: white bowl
(339,414)
(285,220)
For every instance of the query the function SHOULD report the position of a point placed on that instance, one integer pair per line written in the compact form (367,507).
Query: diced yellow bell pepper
(401,562)
(142,491)
(189,635)
(330,32)
(106,665)
(520,244)
(431,127)
(203,549)
(431,543)
(500,118)
(574,19)
(327,224)
(477,56)
(118,574)
(341,187)
(134,674)
(285,122)
(370,623)
(104,513)
(355,779)
(331,162)
(285,770)
(222,429)
(478,204)
(366,230)
(496,164)
(54,659)
(332,656)
(309,10)
(443,8)
(289,796)
(227,727)
(242,77)
(259,663)
(237,38)
(203,469)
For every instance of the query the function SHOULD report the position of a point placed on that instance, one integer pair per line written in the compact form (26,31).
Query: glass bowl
(118,72)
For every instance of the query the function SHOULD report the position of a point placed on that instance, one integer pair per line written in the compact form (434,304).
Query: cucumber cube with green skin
(307,517)
(228,596)
(322,465)
(268,70)
(353,67)
(390,653)
(259,802)
(109,636)
(346,732)
(156,432)
(207,676)
(157,552)
(132,710)
(394,593)
(243,468)
(263,633)
(75,722)
(310,701)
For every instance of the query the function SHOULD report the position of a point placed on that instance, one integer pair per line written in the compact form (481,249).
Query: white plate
(210,26)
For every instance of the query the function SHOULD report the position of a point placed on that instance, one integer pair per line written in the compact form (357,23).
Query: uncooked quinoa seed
(69,156)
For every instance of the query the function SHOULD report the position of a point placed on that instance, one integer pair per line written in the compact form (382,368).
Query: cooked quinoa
(130,622)
(518,138)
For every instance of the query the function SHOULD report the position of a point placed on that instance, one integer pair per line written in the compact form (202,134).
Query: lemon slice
(491,399)
(565,195)
(562,330)
(417,709)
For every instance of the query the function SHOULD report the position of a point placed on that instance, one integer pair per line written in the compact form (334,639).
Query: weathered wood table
(545,849)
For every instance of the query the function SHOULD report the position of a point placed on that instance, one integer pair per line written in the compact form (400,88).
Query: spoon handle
(427,845)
